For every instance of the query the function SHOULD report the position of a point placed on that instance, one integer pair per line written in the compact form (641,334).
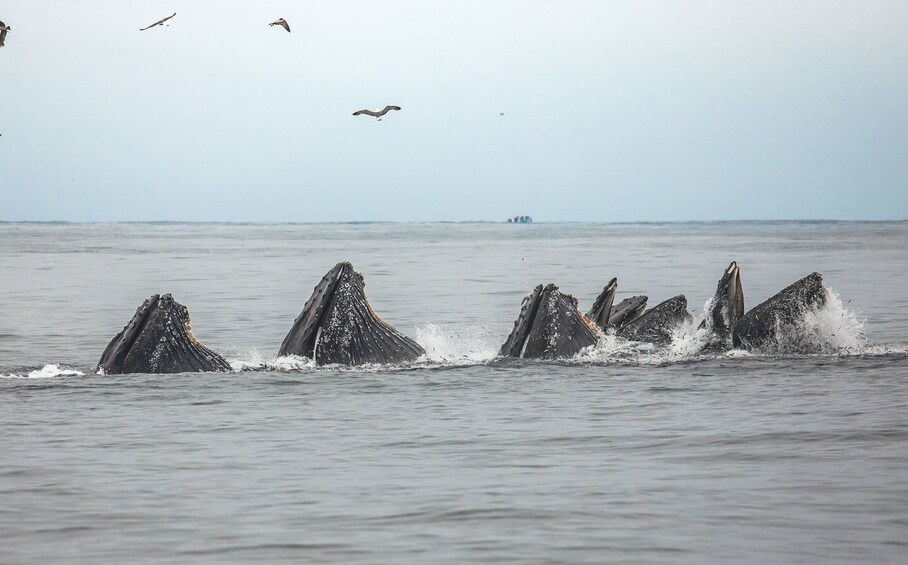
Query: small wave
(48,371)
(448,348)
(250,360)
(443,348)
(290,363)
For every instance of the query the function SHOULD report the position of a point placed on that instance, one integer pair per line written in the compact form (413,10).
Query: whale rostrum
(158,339)
(338,326)
(549,326)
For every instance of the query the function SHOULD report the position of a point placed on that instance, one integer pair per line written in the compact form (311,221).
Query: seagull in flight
(281,22)
(377,114)
(160,22)
(3,29)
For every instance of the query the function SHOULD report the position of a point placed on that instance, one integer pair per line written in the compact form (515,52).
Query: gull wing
(159,22)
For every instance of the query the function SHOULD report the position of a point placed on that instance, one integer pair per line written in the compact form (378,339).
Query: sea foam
(46,372)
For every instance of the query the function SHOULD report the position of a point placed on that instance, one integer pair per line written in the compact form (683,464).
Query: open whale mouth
(338,326)
(732,292)
(602,308)
(158,339)
(549,326)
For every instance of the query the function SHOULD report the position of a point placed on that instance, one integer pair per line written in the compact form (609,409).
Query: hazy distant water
(669,458)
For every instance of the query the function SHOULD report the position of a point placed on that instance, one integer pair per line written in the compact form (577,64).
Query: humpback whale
(337,325)
(656,325)
(607,316)
(158,339)
(765,323)
(549,326)
(726,306)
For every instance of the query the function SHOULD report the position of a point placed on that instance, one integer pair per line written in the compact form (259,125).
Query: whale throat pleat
(353,335)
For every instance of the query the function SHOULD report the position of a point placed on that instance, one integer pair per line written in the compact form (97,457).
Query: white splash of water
(290,363)
(451,348)
(689,339)
(613,349)
(827,329)
(831,328)
(48,371)
(249,360)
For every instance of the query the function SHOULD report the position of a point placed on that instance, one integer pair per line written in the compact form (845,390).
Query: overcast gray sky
(612,110)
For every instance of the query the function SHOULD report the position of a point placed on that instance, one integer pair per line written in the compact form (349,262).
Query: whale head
(158,339)
(338,326)
(549,326)
(728,302)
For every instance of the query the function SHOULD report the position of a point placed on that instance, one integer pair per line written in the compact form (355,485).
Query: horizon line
(367,222)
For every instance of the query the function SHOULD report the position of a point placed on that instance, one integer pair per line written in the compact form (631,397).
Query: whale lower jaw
(338,326)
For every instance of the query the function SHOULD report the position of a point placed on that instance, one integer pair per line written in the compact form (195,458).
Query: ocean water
(622,454)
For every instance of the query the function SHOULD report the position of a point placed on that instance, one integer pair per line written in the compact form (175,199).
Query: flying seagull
(281,22)
(3,29)
(159,22)
(377,114)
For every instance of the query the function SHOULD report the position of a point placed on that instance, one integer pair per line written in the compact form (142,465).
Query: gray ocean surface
(630,456)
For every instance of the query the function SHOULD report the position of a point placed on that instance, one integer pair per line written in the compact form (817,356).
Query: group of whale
(338,326)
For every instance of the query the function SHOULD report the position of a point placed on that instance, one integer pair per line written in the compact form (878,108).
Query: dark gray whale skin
(656,325)
(158,339)
(727,308)
(549,326)
(602,307)
(760,326)
(627,311)
(607,316)
(338,326)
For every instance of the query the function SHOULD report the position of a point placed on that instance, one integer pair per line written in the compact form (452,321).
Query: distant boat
(521,220)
